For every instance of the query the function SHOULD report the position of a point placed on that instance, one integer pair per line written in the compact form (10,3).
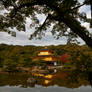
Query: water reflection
(56,81)
(61,78)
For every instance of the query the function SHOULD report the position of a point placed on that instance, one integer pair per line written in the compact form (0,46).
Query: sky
(22,38)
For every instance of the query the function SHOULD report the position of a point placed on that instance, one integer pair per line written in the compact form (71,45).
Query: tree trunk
(76,27)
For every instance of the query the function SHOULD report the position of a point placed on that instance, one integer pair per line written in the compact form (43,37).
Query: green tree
(9,64)
(84,63)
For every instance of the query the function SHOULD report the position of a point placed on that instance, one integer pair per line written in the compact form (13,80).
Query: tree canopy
(60,15)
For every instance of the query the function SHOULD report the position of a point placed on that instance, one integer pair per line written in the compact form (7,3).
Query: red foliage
(78,58)
(64,75)
(64,58)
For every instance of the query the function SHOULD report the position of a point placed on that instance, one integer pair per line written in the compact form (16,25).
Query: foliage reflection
(61,78)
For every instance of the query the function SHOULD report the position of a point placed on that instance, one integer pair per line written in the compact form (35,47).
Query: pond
(57,81)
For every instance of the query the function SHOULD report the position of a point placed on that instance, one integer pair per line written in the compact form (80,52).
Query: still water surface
(61,81)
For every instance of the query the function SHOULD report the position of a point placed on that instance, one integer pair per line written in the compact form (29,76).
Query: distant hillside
(21,55)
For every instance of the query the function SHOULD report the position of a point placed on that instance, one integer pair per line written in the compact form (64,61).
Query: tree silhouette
(60,15)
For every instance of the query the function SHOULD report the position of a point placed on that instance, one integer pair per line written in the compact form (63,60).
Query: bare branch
(78,6)
(69,10)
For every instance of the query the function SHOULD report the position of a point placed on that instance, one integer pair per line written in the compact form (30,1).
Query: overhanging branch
(35,2)
(15,10)
(39,30)
(69,10)
(78,6)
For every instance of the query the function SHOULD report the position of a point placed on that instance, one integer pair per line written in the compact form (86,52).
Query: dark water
(60,81)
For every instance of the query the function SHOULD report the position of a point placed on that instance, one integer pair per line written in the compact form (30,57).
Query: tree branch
(76,27)
(78,6)
(69,10)
(36,2)
(15,10)
(40,28)
(72,23)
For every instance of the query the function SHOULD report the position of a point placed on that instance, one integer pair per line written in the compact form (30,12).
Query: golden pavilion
(46,55)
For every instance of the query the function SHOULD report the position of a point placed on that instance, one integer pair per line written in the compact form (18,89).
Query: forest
(21,56)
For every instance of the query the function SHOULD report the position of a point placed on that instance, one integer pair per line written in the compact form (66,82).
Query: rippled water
(61,81)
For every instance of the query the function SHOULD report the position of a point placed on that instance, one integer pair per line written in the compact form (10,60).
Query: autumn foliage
(64,58)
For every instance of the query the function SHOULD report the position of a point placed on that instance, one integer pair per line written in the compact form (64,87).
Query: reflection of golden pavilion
(49,76)
(46,82)
(46,55)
